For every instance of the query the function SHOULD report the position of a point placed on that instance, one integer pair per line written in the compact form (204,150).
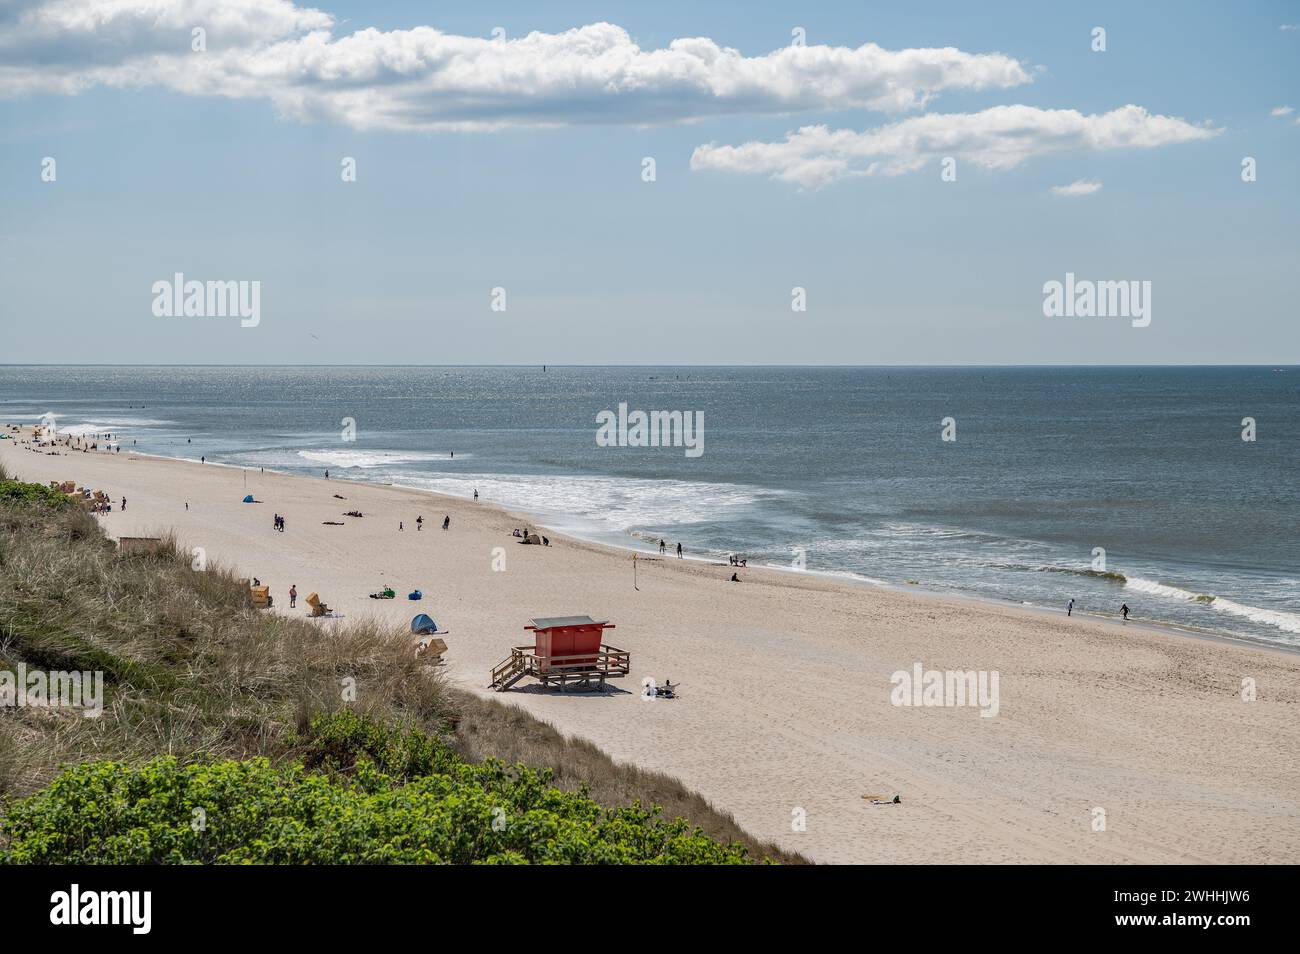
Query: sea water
(1105,485)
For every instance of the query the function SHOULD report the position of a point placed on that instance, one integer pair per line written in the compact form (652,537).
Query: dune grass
(193,672)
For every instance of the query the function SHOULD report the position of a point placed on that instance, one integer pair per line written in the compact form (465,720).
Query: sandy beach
(785,716)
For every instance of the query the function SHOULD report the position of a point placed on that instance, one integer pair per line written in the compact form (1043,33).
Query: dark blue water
(844,466)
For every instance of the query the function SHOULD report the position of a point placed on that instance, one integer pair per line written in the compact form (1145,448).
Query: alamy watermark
(1083,298)
(133,909)
(214,299)
(946,688)
(36,689)
(651,429)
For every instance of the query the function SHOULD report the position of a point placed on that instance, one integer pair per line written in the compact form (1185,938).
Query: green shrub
(350,812)
(16,491)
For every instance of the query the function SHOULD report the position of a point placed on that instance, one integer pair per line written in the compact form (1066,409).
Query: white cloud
(1282,111)
(66,46)
(422,78)
(1078,187)
(1289,27)
(997,139)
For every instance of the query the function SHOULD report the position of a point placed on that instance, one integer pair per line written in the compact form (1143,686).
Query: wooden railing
(607,661)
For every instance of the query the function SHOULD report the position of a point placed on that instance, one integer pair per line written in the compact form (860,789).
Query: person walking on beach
(419,523)
(1123,611)
(327,475)
(400,526)
(446,522)
(187,506)
(1069,607)
(662,546)
(123,503)
(679,551)
(476,493)
(293,595)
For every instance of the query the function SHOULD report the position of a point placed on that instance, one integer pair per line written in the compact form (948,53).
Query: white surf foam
(1287,622)
(103,425)
(583,504)
(372,458)
(1152,588)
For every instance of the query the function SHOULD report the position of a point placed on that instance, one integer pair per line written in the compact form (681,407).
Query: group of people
(663,547)
(528,536)
(419,523)
(667,691)
(279,521)
(1123,609)
(293,592)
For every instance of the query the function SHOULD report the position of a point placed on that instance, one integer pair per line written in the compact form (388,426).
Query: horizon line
(539,364)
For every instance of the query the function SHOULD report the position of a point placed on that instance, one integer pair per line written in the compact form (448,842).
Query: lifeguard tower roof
(554,622)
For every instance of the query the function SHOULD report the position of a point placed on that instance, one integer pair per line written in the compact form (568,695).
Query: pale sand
(785,702)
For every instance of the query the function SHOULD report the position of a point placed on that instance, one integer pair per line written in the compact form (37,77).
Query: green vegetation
(212,705)
(434,809)
(17,491)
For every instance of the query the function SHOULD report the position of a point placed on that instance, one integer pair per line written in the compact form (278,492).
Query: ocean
(1105,485)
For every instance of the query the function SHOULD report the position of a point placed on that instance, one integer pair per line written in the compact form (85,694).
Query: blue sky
(696,267)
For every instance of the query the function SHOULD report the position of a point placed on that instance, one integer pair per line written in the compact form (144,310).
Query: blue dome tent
(423,624)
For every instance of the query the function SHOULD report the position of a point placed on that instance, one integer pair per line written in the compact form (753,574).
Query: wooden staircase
(509,672)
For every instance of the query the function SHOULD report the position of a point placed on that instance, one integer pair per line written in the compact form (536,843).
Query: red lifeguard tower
(567,651)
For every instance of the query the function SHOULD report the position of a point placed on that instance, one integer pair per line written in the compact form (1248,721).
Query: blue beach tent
(422,624)
(248,498)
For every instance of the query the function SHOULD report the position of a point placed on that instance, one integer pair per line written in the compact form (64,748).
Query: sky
(799,157)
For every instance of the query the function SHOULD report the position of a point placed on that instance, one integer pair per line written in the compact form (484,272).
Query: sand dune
(785,712)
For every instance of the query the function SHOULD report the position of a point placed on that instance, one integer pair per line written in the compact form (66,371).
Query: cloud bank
(425,79)
(999,138)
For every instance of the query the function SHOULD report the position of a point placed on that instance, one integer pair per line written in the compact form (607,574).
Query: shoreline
(855,579)
(846,576)
(786,689)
